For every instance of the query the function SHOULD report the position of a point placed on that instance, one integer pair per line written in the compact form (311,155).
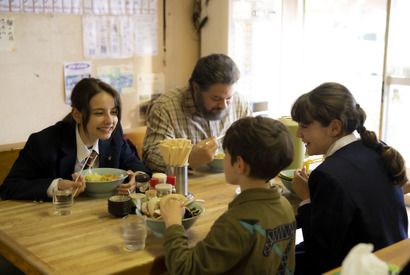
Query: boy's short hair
(265,144)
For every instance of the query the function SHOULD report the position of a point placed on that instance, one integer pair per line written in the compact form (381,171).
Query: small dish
(119,205)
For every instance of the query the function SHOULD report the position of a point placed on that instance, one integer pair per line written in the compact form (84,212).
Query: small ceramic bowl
(119,205)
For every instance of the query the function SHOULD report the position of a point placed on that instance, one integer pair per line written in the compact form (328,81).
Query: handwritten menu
(115,29)
(119,36)
(96,7)
(7,42)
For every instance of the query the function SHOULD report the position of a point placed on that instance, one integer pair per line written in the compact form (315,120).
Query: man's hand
(203,152)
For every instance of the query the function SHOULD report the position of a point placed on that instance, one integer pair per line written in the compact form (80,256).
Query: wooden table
(397,254)
(89,241)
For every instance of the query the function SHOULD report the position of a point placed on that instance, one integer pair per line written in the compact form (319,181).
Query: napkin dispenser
(298,146)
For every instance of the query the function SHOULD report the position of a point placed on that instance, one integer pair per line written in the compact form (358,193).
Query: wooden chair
(137,136)
(8,155)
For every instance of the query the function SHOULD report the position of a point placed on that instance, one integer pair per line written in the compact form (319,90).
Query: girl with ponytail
(355,196)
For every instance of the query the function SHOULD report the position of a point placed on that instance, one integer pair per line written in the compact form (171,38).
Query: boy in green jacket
(256,235)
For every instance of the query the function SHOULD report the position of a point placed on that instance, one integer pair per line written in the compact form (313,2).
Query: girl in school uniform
(355,196)
(54,156)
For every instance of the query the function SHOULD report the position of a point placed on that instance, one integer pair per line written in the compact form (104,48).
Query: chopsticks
(215,139)
(82,168)
(175,152)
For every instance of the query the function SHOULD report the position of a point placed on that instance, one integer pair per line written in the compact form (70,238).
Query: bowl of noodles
(150,208)
(103,182)
(217,163)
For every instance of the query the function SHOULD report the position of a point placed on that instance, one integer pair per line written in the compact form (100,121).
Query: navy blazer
(52,153)
(353,200)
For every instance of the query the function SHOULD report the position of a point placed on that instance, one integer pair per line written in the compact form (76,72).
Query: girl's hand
(129,187)
(78,185)
(300,183)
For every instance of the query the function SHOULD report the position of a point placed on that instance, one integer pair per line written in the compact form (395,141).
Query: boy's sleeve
(217,253)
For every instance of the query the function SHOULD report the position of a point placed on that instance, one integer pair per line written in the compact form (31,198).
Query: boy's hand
(172,212)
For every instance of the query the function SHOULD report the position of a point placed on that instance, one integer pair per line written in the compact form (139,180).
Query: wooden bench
(8,155)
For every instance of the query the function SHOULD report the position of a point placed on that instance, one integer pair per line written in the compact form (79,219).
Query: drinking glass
(63,200)
(134,232)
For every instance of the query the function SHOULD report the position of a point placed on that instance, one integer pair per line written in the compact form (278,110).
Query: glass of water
(63,200)
(134,232)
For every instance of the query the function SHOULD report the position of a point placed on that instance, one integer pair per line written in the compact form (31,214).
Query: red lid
(153,182)
(171,180)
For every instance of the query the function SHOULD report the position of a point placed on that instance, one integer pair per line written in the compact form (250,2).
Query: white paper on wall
(100,7)
(114,37)
(58,6)
(118,7)
(48,6)
(103,37)
(28,5)
(87,6)
(4,5)
(38,6)
(15,5)
(126,27)
(146,35)
(77,6)
(90,39)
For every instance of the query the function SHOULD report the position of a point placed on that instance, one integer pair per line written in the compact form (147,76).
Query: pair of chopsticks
(82,168)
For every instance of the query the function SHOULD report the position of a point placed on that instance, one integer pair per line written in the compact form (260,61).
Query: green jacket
(256,235)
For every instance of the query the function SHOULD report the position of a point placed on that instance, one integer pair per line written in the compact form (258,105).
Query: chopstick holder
(175,152)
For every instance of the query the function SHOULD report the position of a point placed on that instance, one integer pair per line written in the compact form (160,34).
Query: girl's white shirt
(82,154)
(338,144)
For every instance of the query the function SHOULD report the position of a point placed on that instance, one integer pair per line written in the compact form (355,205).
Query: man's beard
(208,114)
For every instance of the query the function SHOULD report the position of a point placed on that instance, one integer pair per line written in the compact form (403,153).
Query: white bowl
(104,188)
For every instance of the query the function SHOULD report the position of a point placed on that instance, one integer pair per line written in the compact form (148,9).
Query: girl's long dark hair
(331,101)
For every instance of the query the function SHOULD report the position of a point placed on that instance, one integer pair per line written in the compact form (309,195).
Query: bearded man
(199,112)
